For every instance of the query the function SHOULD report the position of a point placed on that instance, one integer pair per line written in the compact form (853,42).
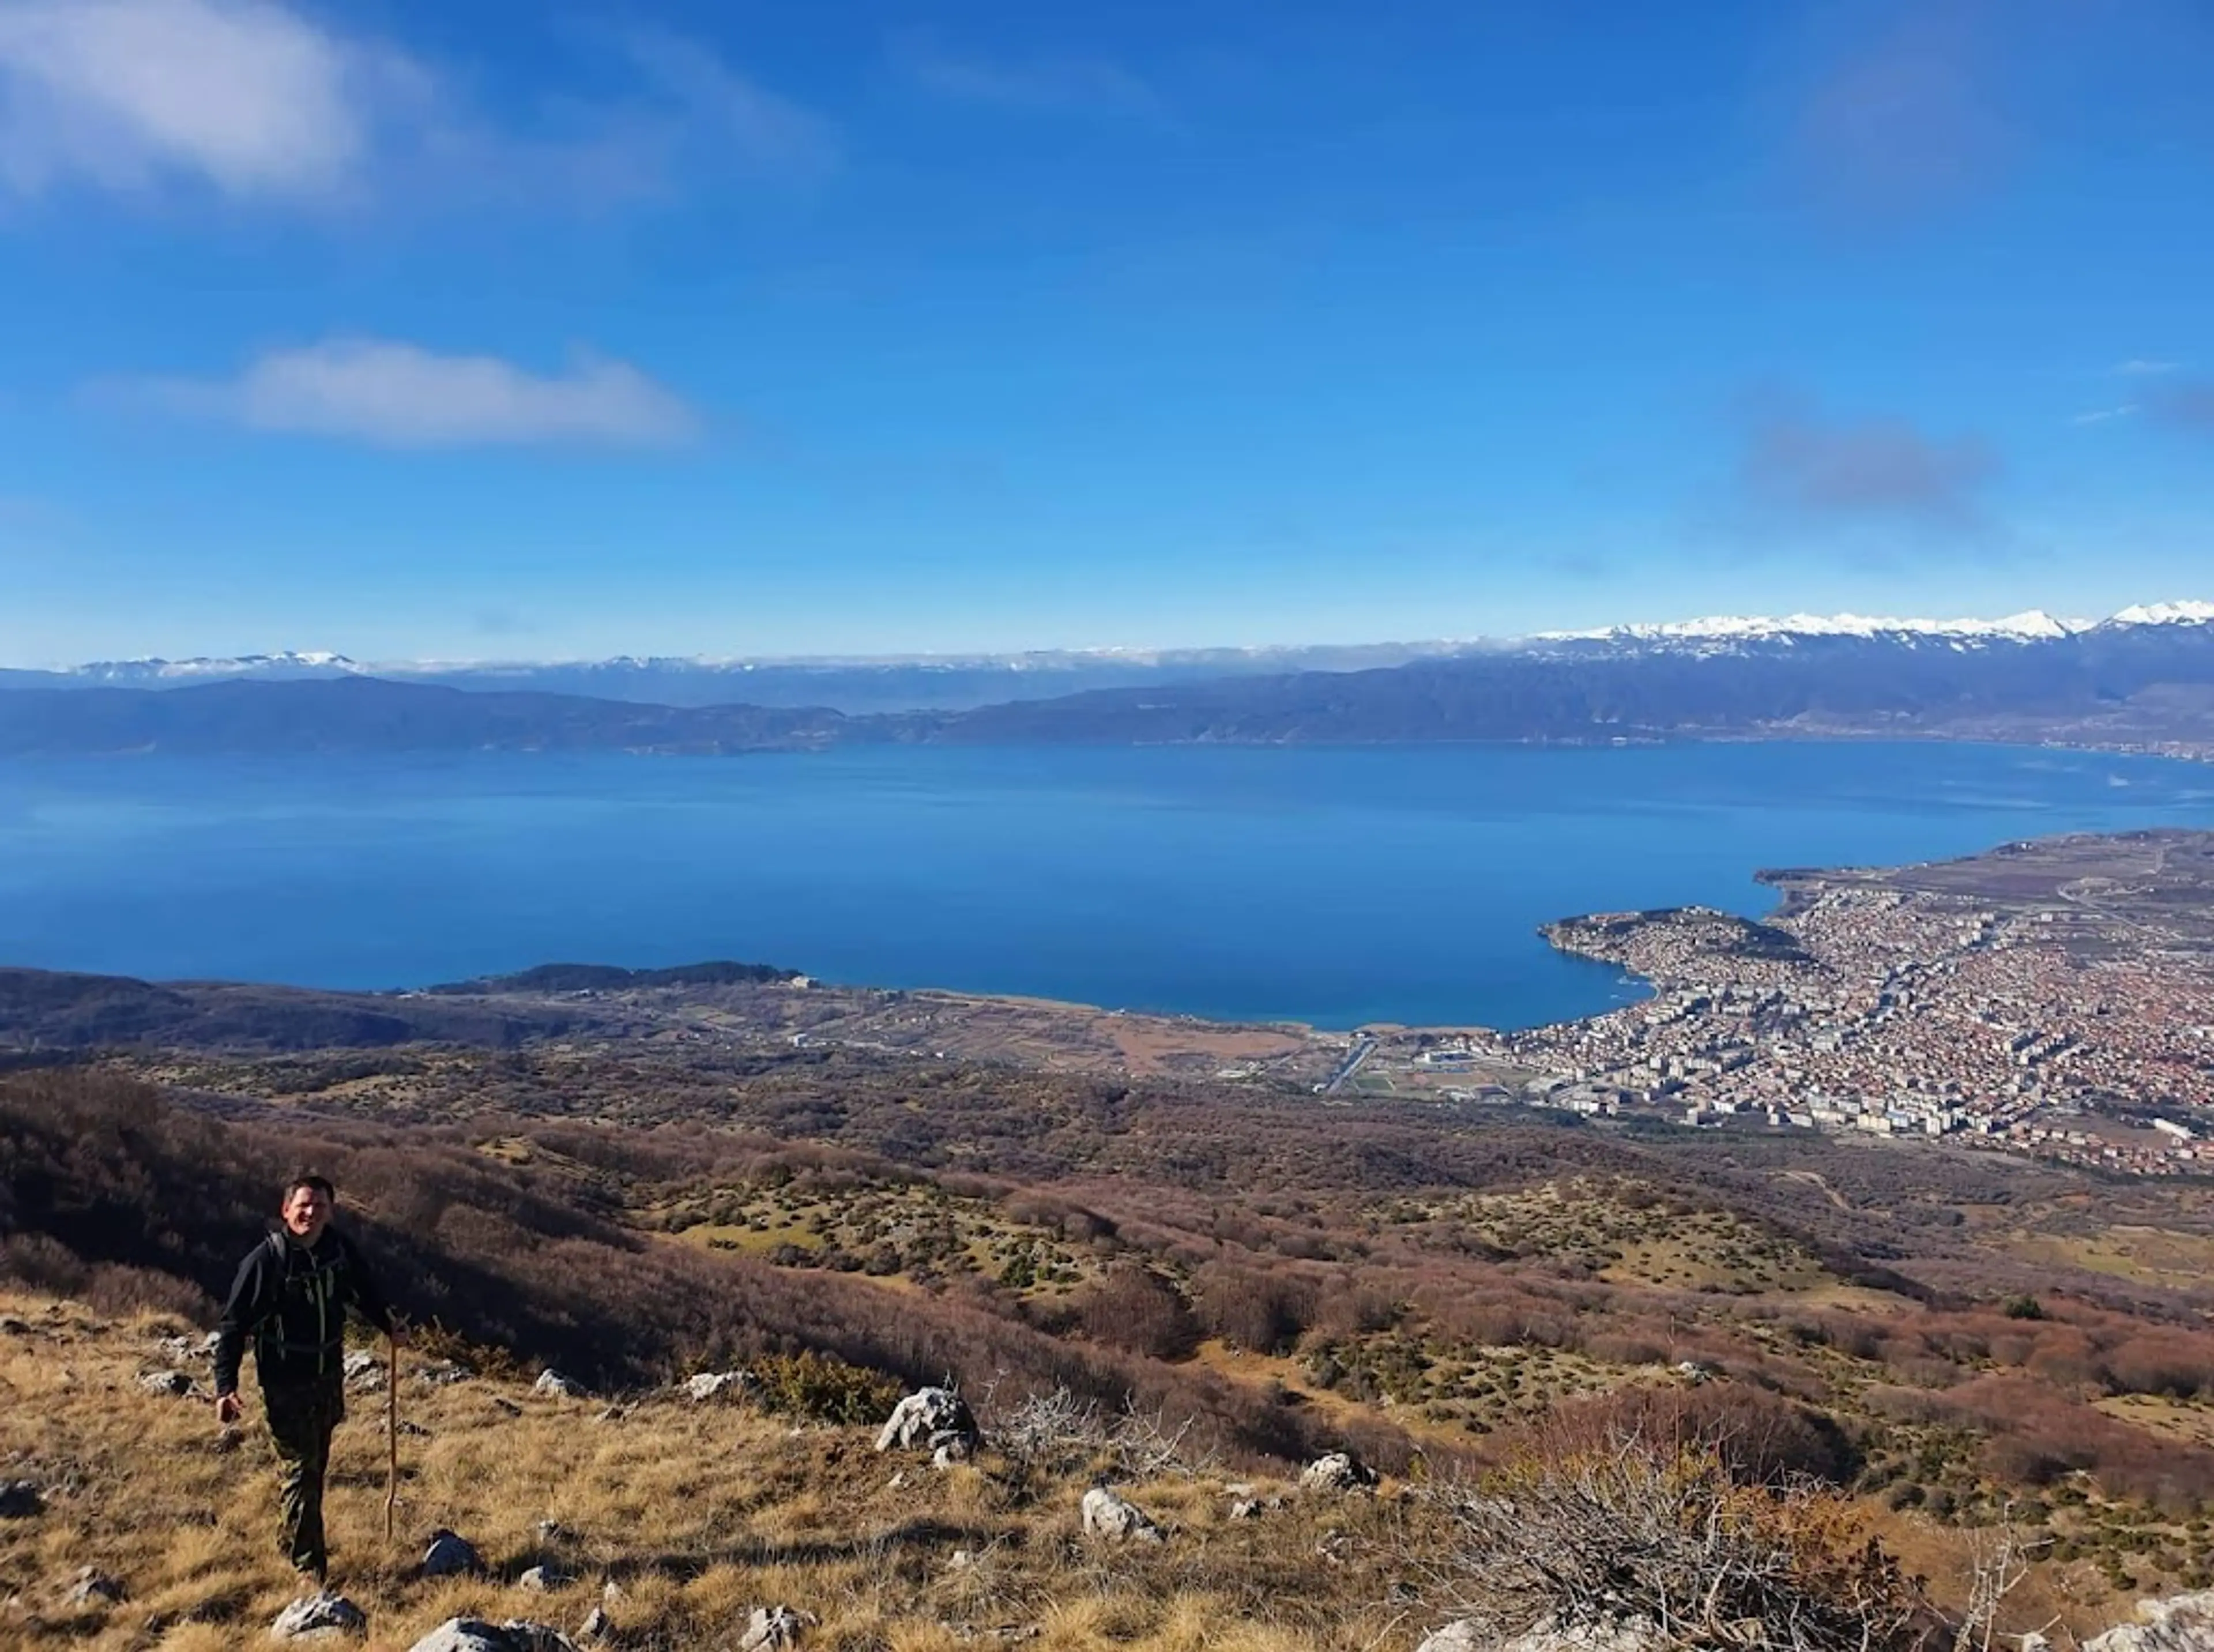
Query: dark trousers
(301,1418)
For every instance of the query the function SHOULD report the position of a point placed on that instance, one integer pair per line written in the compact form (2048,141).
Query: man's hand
(228,1411)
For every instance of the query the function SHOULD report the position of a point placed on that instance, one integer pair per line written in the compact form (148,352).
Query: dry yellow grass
(696,1515)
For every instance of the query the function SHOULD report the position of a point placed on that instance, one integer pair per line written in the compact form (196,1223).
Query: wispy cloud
(1079,84)
(1800,465)
(2139,367)
(2186,404)
(2105,415)
(259,99)
(396,395)
(1905,119)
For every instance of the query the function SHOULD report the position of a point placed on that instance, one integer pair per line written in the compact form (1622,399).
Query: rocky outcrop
(1116,1519)
(552,1385)
(475,1634)
(171,1384)
(321,1616)
(772,1627)
(364,1372)
(711,1385)
(92,1587)
(1340,1471)
(930,1419)
(450,1556)
(2181,1623)
(1465,1635)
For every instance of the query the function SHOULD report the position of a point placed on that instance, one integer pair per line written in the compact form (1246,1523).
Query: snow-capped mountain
(2138,644)
(2033,625)
(149,673)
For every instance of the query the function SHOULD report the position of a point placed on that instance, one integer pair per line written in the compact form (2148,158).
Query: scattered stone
(413,1428)
(953,1452)
(611,1592)
(449,1556)
(440,1373)
(12,1326)
(1246,1509)
(611,1414)
(544,1580)
(1339,1472)
(928,1419)
(1459,1636)
(772,1627)
(2181,1623)
(897,1480)
(552,1385)
(597,1625)
(1693,1372)
(321,1616)
(505,1406)
(1610,1636)
(552,1531)
(171,1385)
(178,1349)
(711,1385)
(21,1500)
(1107,1515)
(475,1634)
(364,1372)
(960,1561)
(90,1586)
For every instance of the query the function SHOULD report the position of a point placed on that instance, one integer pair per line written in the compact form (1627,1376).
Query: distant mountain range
(852,686)
(2142,679)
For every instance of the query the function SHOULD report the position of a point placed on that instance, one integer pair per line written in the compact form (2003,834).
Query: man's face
(307,1213)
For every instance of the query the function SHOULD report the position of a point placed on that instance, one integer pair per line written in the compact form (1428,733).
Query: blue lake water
(1330,886)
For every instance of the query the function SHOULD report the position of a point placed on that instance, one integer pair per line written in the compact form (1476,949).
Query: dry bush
(1265,1312)
(1632,1531)
(1134,1308)
(1761,1438)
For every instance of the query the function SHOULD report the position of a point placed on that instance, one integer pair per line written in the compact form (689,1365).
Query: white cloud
(259,99)
(239,93)
(401,396)
(2099,416)
(2138,367)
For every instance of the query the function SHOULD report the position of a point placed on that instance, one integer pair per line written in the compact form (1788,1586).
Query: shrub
(823,1389)
(1628,1530)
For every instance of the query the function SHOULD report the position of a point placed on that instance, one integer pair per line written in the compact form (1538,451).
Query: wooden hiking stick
(391,1431)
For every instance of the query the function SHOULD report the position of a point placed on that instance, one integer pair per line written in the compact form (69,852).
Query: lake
(1330,886)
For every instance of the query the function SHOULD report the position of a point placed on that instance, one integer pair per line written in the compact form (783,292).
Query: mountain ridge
(2141,683)
(963,681)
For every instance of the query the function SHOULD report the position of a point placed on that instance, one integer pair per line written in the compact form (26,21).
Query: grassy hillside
(1983,1345)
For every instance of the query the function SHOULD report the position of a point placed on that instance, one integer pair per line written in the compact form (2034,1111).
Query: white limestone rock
(322,1616)
(450,1556)
(711,1386)
(1114,1518)
(2179,1622)
(1339,1472)
(928,1419)
(774,1627)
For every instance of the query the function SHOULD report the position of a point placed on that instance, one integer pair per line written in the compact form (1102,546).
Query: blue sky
(493,329)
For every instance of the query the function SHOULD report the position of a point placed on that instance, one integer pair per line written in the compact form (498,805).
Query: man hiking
(290,1301)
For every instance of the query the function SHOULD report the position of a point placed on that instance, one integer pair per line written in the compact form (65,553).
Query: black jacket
(291,1302)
